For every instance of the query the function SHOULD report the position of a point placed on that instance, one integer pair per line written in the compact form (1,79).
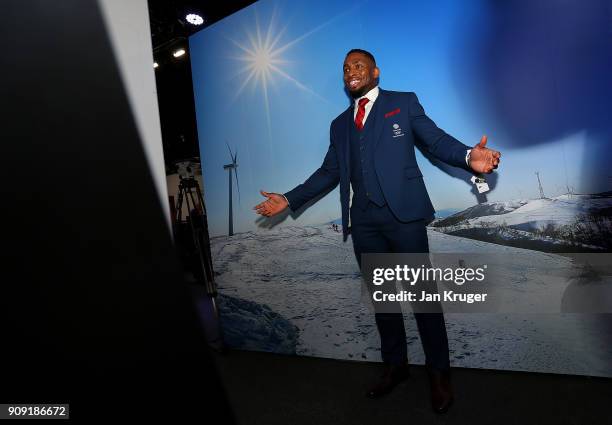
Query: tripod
(201,260)
(191,195)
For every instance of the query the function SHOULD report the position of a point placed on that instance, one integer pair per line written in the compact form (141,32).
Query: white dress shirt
(372,95)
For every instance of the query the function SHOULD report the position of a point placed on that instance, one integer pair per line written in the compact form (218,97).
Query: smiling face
(360,74)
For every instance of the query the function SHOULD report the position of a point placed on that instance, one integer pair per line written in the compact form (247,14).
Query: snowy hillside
(566,223)
(481,210)
(298,290)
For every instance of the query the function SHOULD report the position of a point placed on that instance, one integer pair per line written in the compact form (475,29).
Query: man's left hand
(482,159)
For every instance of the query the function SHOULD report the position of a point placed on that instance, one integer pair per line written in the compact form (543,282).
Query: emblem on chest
(397,131)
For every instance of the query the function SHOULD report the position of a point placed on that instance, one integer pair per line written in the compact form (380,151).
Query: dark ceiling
(169,31)
(168,16)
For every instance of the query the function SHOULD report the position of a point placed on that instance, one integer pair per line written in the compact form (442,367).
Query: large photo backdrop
(532,76)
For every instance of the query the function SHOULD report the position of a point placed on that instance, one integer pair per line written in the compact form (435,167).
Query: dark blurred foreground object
(191,231)
(193,245)
(96,312)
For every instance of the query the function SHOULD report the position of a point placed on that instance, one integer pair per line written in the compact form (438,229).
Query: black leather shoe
(441,390)
(393,375)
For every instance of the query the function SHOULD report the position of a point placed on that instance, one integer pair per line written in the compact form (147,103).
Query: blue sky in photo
(268,82)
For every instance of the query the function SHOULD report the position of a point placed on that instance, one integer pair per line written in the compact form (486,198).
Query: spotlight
(178,53)
(155,64)
(194,19)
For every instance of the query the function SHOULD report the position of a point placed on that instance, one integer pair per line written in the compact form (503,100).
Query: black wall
(95,309)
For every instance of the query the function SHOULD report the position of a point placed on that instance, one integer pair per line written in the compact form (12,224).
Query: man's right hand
(275,204)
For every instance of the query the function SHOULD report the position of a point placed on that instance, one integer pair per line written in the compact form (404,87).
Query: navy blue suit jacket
(400,120)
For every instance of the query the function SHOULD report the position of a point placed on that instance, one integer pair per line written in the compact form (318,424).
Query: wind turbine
(537,173)
(231,167)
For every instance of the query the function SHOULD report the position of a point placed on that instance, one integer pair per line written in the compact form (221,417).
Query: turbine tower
(231,167)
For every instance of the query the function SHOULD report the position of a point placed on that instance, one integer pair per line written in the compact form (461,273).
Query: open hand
(482,159)
(274,205)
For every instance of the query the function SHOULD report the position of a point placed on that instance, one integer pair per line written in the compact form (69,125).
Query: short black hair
(363,52)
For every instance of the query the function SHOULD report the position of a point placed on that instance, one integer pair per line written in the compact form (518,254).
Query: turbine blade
(237,184)
(230,150)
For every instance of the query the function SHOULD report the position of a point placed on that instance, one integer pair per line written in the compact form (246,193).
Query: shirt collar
(372,95)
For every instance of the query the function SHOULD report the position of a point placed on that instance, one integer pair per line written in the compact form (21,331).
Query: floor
(265,388)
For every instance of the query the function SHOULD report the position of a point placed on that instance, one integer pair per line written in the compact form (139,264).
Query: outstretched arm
(437,142)
(478,159)
(324,178)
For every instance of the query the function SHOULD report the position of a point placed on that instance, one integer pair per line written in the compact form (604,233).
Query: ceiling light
(155,64)
(194,19)
(178,53)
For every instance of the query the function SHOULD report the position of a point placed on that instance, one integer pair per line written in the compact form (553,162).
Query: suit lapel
(378,111)
(347,141)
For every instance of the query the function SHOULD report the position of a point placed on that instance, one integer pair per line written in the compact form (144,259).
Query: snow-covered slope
(538,213)
(481,210)
(564,223)
(307,278)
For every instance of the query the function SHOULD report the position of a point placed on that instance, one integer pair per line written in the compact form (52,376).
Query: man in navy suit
(371,151)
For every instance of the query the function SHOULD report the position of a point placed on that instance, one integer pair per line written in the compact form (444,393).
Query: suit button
(368,194)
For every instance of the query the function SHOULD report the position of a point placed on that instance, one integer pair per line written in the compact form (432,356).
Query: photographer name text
(424,296)
(413,275)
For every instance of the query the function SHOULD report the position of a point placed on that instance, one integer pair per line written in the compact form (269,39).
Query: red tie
(361,113)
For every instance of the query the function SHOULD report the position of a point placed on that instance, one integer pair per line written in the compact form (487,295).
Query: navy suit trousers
(376,230)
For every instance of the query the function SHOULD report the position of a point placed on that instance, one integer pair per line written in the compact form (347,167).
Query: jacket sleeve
(325,178)
(440,144)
